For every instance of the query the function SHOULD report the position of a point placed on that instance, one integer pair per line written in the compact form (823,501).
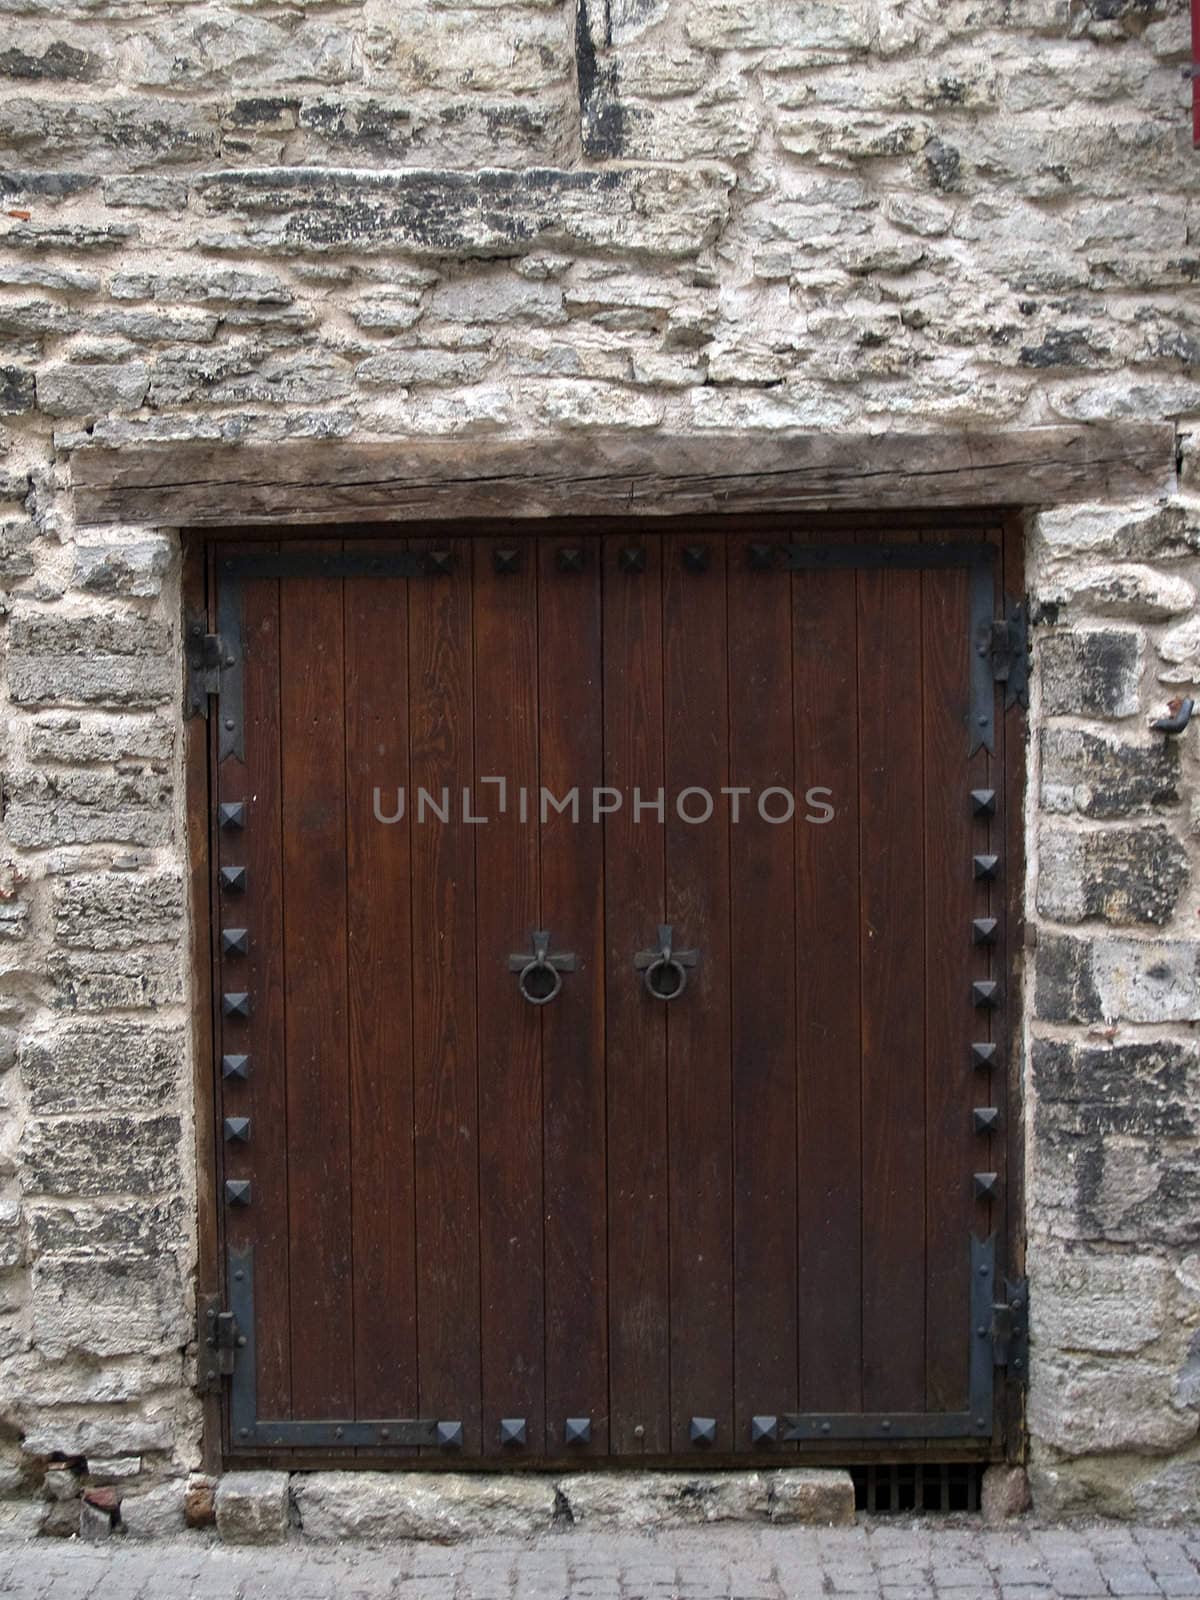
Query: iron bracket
(218,1340)
(1010,1331)
(249,1431)
(1010,652)
(203,652)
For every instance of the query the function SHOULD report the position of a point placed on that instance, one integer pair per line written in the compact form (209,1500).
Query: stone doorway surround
(1108,1063)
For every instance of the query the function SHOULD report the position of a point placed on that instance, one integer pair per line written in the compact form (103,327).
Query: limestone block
(641,1501)
(156,1514)
(103,1308)
(66,739)
(89,1067)
(1121,875)
(1156,533)
(116,1228)
(99,659)
(442,1507)
(135,569)
(1140,593)
(811,1496)
(1103,1303)
(1090,672)
(1081,1405)
(769,24)
(1003,1494)
(88,807)
(116,981)
(252,1507)
(1103,775)
(97,1155)
(650,211)
(1117,979)
(121,133)
(73,390)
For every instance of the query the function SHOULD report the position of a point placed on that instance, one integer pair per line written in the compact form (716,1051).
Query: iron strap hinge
(219,1339)
(1010,652)
(1010,1330)
(206,656)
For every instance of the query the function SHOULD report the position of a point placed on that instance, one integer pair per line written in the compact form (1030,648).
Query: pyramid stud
(235,941)
(578,1430)
(237,1191)
(983,1054)
(986,993)
(983,802)
(986,1118)
(449,1435)
(512,1430)
(632,560)
(506,561)
(233,879)
(236,1068)
(987,1185)
(235,1005)
(703,1430)
(983,930)
(695,558)
(570,560)
(760,557)
(439,562)
(763,1429)
(237,1130)
(231,815)
(986,866)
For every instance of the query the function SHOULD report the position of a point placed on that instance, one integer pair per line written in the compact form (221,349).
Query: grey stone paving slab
(878,1561)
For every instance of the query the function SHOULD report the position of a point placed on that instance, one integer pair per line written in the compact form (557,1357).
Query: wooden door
(609,984)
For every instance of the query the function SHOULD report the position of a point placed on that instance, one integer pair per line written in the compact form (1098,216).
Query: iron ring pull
(664,970)
(540,976)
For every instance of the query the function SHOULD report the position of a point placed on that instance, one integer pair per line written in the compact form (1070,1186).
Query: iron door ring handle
(539,977)
(665,970)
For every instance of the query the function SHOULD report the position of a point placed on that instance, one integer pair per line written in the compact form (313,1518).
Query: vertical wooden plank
(320,1224)
(261,1095)
(639,1333)
(952,1149)
(446,1176)
(510,1079)
(379,940)
(696,743)
(571,731)
(892,851)
(828,1024)
(762,967)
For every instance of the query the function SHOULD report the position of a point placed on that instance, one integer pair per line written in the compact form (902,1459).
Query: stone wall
(374,219)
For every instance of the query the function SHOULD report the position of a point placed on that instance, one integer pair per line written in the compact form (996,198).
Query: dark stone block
(16,391)
(1104,777)
(1090,672)
(59,62)
(1065,991)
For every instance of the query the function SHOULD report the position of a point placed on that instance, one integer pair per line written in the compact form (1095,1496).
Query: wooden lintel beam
(619,474)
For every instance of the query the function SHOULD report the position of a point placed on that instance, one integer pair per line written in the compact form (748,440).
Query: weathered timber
(615,474)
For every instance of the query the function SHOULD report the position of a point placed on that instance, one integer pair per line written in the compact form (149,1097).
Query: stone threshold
(257,1507)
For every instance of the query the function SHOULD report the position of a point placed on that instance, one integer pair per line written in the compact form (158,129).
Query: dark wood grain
(638,1238)
(263,1096)
(762,982)
(445,1092)
(696,747)
(507,901)
(571,732)
(379,981)
(620,474)
(952,1150)
(320,1222)
(892,849)
(830,1175)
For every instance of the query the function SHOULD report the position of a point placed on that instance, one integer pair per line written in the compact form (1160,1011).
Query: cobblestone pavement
(883,1561)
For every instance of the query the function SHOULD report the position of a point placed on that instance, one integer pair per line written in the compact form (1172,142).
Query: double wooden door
(609,947)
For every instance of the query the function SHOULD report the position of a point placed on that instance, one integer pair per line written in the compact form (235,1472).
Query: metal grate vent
(918,1486)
